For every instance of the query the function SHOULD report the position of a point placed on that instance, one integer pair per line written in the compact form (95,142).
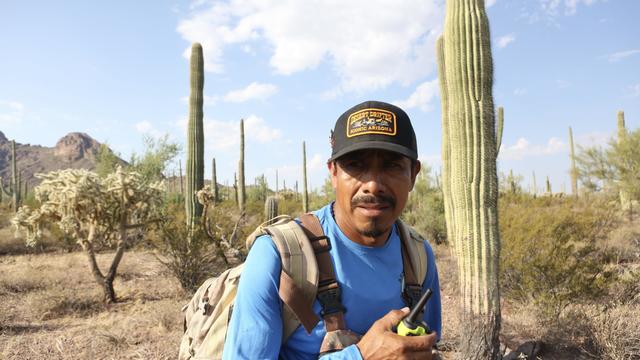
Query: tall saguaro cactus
(214,181)
(625,201)
(305,195)
(470,184)
(574,169)
(195,138)
(241,184)
(14,187)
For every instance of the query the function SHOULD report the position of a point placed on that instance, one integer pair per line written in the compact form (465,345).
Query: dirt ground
(50,308)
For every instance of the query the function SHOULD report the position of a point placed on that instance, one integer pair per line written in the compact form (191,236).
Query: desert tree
(95,212)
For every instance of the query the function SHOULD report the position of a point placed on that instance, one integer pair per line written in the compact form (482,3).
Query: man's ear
(415,170)
(333,172)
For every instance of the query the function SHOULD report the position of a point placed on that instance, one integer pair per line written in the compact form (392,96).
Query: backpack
(207,315)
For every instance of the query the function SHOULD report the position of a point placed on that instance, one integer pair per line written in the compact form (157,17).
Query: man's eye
(393,165)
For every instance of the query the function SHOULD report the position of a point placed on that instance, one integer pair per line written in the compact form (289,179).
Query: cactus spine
(469,174)
(499,129)
(195,138)
(574,169)
(270,209)
(305,195)
(241,188)
(214,181)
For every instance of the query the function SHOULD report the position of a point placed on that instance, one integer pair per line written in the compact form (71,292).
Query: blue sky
(117,70)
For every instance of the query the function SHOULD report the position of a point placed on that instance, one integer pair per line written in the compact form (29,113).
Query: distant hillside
(74,150)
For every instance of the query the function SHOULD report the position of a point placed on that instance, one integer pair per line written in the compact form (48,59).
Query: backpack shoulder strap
(414,259)
(299,275)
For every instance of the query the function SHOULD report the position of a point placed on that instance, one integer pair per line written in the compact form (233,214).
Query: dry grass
(51,308)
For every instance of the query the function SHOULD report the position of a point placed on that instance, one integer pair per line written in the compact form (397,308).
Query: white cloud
(503,41)
(489,3)
(523,148)
(563,84)
(634,90)
(422,97)
(620,55)
(143,126)
(368,43)
(11,112)
(147,128)
(568,7)
(252,91)
(225,135)
(519,91)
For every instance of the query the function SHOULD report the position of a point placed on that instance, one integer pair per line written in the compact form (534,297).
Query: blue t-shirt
(369,277)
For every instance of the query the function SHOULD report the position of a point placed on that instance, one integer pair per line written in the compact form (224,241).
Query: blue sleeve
(433,313)
(255,329)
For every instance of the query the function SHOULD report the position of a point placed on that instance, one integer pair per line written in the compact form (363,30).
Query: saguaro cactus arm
(499,129)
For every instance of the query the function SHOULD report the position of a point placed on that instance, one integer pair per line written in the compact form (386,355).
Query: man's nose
(373,182)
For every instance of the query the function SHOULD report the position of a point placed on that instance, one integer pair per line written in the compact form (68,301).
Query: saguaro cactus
(470,185)
(241,184)
(535,185)
(548,192)
(305,195)
(574,169)
(625,201)
(270,208)
(14,187)
(214,181)
(195,138)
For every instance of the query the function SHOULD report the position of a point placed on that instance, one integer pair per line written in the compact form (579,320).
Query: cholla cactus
(93,211)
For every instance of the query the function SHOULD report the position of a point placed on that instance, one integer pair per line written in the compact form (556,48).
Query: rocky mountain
(74,150)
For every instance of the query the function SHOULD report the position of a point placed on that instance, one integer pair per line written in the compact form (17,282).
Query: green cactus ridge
(195,138)
(305,195)
(469,181)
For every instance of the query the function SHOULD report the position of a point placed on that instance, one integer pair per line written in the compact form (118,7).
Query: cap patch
(371,121)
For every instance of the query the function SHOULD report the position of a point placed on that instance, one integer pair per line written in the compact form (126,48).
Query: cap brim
(382,145)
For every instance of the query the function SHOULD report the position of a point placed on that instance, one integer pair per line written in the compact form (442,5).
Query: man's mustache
(383,200)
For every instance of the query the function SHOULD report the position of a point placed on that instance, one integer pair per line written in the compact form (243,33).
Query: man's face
(372,187)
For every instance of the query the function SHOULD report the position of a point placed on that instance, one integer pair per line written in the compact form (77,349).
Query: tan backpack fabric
(208,313)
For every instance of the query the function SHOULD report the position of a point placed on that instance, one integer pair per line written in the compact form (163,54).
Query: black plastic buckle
(411,293)
(316,240)
(330,301)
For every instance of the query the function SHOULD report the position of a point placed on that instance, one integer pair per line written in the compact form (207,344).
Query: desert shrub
(549,253)
(425,208)
(616,332)
(190,262)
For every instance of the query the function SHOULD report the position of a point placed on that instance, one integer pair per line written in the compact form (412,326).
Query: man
(373,168)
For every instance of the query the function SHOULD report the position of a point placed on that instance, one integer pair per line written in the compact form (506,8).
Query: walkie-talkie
(411,325)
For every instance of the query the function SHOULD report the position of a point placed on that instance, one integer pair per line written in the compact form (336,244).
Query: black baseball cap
(374,125)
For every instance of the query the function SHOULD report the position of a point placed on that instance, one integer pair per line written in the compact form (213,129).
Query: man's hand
(380,342)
